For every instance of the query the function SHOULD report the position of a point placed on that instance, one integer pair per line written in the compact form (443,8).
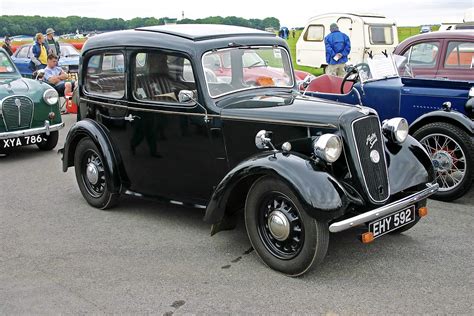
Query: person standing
(338,47)
(40,54)
(7,45)
(51,44)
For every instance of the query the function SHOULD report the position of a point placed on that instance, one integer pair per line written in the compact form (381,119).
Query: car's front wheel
(50,142)
(452,152)
(91,175)
(283,235)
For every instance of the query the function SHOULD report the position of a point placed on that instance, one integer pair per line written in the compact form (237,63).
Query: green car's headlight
(51,96)
(396,129)
(328,147)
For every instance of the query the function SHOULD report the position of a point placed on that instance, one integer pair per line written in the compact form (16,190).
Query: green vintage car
(29,110)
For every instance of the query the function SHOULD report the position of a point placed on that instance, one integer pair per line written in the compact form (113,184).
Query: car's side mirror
(186,96)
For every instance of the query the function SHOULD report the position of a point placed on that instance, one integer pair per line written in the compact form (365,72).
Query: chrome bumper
(384,210)
(46,129)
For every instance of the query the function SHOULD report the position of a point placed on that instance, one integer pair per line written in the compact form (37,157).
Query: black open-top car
(209,116)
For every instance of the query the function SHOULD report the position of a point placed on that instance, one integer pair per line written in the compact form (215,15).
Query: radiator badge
(371,140)
(375,156)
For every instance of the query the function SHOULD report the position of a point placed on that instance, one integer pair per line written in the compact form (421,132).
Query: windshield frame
(249,47)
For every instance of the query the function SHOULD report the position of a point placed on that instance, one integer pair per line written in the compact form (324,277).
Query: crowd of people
(45,55)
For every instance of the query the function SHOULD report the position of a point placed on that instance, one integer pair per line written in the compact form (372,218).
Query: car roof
(463,34)
(199,32)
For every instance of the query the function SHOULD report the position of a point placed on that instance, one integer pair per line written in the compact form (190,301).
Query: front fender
(321,195)
(98,134)
(453,117)
(409,165)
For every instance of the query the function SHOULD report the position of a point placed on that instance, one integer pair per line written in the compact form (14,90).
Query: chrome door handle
(131,118)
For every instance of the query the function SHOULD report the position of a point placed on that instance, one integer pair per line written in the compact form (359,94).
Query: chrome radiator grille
(369,145)
(17,112)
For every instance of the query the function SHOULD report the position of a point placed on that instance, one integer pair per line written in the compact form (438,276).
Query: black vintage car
(209,116)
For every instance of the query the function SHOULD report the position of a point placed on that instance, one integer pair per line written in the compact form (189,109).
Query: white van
(368,33)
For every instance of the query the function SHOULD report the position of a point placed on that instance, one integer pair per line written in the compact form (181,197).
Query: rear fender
(454,117)
(98,134)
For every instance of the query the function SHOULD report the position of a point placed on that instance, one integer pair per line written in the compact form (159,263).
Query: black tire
(307,240)
(96,194)
(461,143)
(50,143)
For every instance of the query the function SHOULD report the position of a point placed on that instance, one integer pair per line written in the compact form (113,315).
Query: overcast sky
(404,12)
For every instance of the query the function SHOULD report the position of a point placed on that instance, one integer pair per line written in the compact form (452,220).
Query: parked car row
(211,117)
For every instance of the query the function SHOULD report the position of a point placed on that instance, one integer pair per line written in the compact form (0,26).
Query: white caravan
(368,33)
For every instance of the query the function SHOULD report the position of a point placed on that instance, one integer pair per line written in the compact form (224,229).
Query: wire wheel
(449,160)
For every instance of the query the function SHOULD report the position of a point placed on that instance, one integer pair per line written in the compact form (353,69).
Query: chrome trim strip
(33,131)
(384,210)
(228,117)
(360,162)
(297,123)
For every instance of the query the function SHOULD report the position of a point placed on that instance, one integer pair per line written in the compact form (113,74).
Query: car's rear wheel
(91,175)
(452,151)
(50,143)
(284,236)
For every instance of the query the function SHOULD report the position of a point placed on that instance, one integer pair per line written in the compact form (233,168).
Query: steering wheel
(353,74)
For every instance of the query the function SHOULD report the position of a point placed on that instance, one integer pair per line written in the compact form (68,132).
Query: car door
(423,58)
(458,60)
(22,60)
(165,145)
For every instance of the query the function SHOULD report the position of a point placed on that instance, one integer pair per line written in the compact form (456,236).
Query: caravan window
(314,33)
(380,34)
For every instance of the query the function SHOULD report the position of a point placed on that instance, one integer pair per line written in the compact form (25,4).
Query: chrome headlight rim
(51,97)
(396,129)
(328,147)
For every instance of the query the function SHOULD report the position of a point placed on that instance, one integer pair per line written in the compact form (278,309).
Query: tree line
(30,25)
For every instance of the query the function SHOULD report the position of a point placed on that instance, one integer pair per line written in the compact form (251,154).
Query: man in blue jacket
(338,47)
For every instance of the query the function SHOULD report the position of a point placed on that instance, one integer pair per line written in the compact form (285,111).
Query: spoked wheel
(91,175)
(283,235)
(451,151)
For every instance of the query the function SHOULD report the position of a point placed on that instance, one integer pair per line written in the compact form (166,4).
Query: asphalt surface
(59,255)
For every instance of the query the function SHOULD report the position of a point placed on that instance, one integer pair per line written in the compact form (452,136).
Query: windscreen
(237,69)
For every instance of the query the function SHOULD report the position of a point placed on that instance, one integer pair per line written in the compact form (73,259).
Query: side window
(381,34)
(314,33)
(159,77)
(423,54)
(105,75)
(460,55)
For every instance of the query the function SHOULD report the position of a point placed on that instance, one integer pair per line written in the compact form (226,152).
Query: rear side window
(314,33)
(460,55)
(105,75)
(160,76)
(423,54)
(380,34)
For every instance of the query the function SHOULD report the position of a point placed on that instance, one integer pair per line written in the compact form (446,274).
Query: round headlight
(396,129)
(51,96)
(328,147)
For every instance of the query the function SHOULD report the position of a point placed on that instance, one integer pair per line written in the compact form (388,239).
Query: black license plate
(392,222)
(21,141)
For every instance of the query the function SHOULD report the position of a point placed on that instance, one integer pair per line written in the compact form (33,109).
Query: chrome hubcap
(92,173)
(442,161)
(279,225)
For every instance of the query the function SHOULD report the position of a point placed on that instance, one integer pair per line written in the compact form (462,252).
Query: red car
(443,55)
(254,67)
